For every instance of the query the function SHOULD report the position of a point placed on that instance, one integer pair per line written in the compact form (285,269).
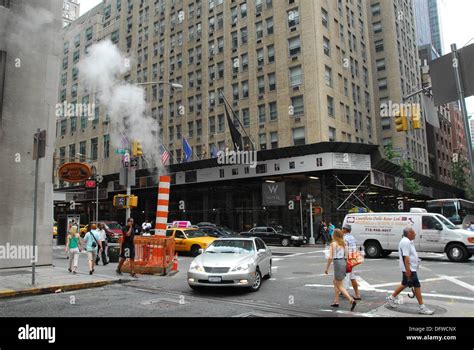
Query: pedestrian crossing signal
(415,117)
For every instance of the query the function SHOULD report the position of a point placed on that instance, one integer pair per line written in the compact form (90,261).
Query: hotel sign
(273,194)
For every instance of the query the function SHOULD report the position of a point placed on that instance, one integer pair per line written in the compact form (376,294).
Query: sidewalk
(49,279)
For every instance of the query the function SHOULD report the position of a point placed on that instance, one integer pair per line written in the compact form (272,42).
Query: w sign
(273,194)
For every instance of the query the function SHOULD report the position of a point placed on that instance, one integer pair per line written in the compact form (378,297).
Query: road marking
(422,281)
(459,283)
(300,254)
(442,296)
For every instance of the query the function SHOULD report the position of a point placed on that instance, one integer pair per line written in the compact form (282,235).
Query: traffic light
(401,120)
(317,210)
(132,201)
(415,117)
(137,150)
(120,201)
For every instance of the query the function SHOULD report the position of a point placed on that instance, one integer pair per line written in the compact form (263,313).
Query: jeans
(103,255)
(73,257)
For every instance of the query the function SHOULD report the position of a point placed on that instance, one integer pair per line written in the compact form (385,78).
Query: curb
(9,293)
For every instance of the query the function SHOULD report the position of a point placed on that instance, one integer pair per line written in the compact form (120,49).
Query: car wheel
(258,281)
(269,275)
(285,242)
(195,250)
(457,253)
(373,250)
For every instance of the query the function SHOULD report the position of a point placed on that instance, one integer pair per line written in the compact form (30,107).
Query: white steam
(102,71)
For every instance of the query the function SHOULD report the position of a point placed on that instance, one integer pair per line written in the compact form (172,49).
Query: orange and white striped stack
(162,205)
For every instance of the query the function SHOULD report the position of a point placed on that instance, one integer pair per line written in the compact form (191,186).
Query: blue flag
(187,150)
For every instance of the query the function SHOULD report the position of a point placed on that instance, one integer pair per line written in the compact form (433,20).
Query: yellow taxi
(189,240)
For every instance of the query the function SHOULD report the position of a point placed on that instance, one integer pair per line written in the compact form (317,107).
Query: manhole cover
(412,309)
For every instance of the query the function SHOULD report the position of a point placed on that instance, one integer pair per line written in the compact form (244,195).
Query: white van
(380,234)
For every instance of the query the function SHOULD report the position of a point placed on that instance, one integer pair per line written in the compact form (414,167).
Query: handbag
(354,258)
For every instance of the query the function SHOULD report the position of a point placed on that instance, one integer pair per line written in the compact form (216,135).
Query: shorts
(128,252)
(92,255)
(351,273)
(414,280)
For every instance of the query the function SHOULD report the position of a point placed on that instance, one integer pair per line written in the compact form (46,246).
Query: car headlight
(196,267)
(295,238)
(242,267)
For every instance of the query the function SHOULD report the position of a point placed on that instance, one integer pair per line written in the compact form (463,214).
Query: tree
(409,183)
(461,178)
(390,153)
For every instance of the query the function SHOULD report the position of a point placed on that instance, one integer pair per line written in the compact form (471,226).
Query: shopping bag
(355,258)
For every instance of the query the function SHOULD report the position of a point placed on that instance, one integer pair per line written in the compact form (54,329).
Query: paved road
(298,288)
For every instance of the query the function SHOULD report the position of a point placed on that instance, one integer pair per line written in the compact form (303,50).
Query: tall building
(436,25)
(423,25)
(71,11)
(395,50)
(28,94)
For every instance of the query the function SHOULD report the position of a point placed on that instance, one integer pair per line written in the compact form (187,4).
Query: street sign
(99,178)
(120,151)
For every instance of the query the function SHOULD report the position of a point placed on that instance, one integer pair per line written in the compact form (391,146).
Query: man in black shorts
(127,249)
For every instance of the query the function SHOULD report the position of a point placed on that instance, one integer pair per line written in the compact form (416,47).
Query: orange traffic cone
(175,263)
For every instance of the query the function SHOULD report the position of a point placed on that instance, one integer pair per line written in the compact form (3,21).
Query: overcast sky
(456,17)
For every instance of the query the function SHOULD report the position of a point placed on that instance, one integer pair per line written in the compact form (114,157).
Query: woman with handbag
(338,255)
(73,247)
(93,245)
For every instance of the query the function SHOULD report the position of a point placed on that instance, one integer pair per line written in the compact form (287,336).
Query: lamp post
(311,200)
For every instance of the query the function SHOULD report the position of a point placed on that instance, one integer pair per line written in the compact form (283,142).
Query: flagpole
(236,117)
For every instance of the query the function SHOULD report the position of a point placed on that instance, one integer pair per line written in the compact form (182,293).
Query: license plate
(215,279)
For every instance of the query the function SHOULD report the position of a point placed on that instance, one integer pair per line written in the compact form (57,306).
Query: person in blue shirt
(93,245)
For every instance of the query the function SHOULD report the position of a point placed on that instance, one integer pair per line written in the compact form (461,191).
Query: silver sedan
(232,262)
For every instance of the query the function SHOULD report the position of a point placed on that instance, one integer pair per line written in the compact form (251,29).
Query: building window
(94,147)
(380,65)
(273,111)
(377,26)
(294,46)
(324,18)
(327,46)
(299,137)
(274,140)
(293,18)
(272,81)
(270,26)
(271,54)
(330,102)
(297,104)
(376,9)
(82,150)
(382,83)
(296,76)
(106,146)
(262,140)
(89,33)
(332,134)
(3,61)
(261,115)
(328,76)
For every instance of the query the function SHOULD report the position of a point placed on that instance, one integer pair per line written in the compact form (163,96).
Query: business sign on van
(380,224)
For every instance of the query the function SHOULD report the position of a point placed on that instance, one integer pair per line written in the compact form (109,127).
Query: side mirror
(439,227)
(262,251)
(201,251)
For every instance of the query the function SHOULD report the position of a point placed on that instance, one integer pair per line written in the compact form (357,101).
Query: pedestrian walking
(73,248)
(103,241)
(93,245)
(127,249)
(322,232)
(352,249)
(331,229)
(409,263)
(338,252)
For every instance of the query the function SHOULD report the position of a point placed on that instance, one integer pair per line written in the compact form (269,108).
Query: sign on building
(273,194)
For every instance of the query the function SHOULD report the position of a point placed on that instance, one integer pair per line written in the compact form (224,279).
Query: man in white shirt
(409,262)
(352,248)
(103,240)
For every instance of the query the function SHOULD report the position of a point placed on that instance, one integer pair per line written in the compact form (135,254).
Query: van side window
(428,223)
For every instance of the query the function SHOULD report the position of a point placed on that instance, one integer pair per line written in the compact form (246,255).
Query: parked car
(232,262)
(380,234)
(215,230)
(272,236)
(189,240)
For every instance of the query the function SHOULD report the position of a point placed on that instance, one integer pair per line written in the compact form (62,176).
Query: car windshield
(195,233)
(114,226)
(231,247)
(446,222)
(226,230)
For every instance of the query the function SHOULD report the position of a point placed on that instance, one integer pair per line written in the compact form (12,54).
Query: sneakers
(425,311)
(392,302)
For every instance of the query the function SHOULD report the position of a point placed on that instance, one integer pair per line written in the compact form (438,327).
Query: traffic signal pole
(129,190)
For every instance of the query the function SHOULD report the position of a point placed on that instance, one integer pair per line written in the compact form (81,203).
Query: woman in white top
(338,256)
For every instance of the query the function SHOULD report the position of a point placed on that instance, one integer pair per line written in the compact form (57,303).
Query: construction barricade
(153,255)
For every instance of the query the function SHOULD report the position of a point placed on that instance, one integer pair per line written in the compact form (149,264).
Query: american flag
(165,155)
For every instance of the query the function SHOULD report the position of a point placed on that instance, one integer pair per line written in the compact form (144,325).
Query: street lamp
(96,176)
(173,85)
